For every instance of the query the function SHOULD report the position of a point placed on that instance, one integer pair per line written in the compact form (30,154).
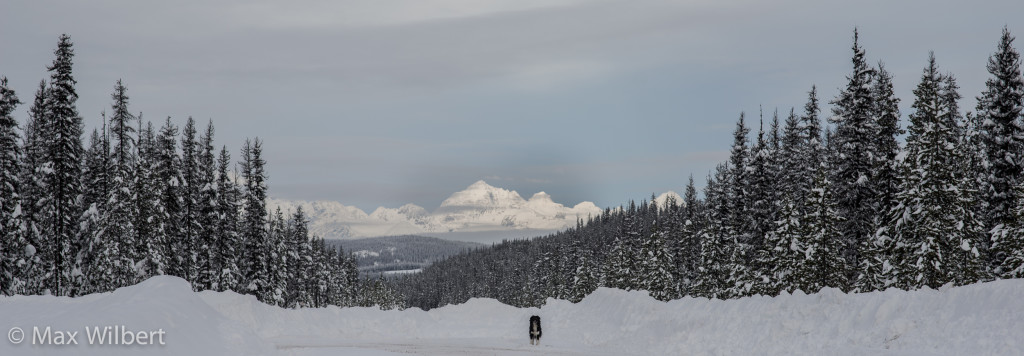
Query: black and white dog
(535,330)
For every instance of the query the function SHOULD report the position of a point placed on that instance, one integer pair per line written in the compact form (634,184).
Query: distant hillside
(396,253)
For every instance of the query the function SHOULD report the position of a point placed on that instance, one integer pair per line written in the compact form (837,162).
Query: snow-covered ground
(982,319)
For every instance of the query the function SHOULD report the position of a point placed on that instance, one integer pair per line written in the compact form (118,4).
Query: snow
(480,208)
(662,200)
(980,319)
(404,271)
(366,253)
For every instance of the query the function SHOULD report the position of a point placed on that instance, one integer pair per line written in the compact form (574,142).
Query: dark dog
(535,330)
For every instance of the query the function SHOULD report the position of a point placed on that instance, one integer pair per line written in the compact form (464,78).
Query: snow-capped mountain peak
(480,208)
(483,195)
(541,197)
(664,198)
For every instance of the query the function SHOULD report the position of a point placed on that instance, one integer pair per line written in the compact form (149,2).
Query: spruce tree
(853,157)
(229,245)
(822,264)
(167,171)
(736,187)
(150,218)
(299,261)
(999,110)
(189,241)
(930,221)
(791,160)
(97,253)
(120,210)
(12,244)
(655,270)
(785,250)
(254,224)
(207,211)
(37,270)
(688,250)
(715,239)
(65,162)
(759,191)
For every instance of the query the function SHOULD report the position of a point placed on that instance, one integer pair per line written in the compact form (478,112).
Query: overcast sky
(380,103)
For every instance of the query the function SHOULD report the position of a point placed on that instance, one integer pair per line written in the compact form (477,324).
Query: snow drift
(191,326)
(981,319)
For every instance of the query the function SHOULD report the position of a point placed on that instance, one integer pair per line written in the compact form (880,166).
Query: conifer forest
(139,200)
(809,200)
(859,192)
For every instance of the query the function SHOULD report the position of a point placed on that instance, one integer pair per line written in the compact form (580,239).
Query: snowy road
(979,319)
(425,347)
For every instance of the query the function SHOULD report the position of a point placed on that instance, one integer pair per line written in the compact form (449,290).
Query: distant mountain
(396,253)
(479,209)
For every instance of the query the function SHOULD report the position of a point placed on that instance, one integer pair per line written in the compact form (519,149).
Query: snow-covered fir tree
(999,110)
(655,270)
(12,243)
(853,159)
(64,170)
(228,241)
(928,224)
(187,244)
(167,171)
(208,216)
(254,222)
(820,262)
(37,269)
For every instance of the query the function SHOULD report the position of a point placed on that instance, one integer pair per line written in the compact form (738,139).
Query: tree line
(140,201)
(805,206)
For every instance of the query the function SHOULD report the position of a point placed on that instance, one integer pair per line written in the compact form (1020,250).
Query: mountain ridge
(480,207)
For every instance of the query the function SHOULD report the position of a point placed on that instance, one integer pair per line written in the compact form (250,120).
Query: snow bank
(982,319)
(189,325)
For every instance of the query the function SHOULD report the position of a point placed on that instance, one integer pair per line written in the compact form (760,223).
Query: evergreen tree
(853,161)
(585,276)
(620,267)
(189,240)
(715,239)
(819,260)
(760,191)
(785,244)
(299,261)
(1012,266)
(65,164)
(736,187)
(151,215)
(207,211)
(687,251)
(254,225)
(655,270)
(999,110)
(95,249)
(38,267)
(791,156)
(229,245)
(277,273)
(119,215)
(167,173)
(930,219)
(12,244)
(887,114)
